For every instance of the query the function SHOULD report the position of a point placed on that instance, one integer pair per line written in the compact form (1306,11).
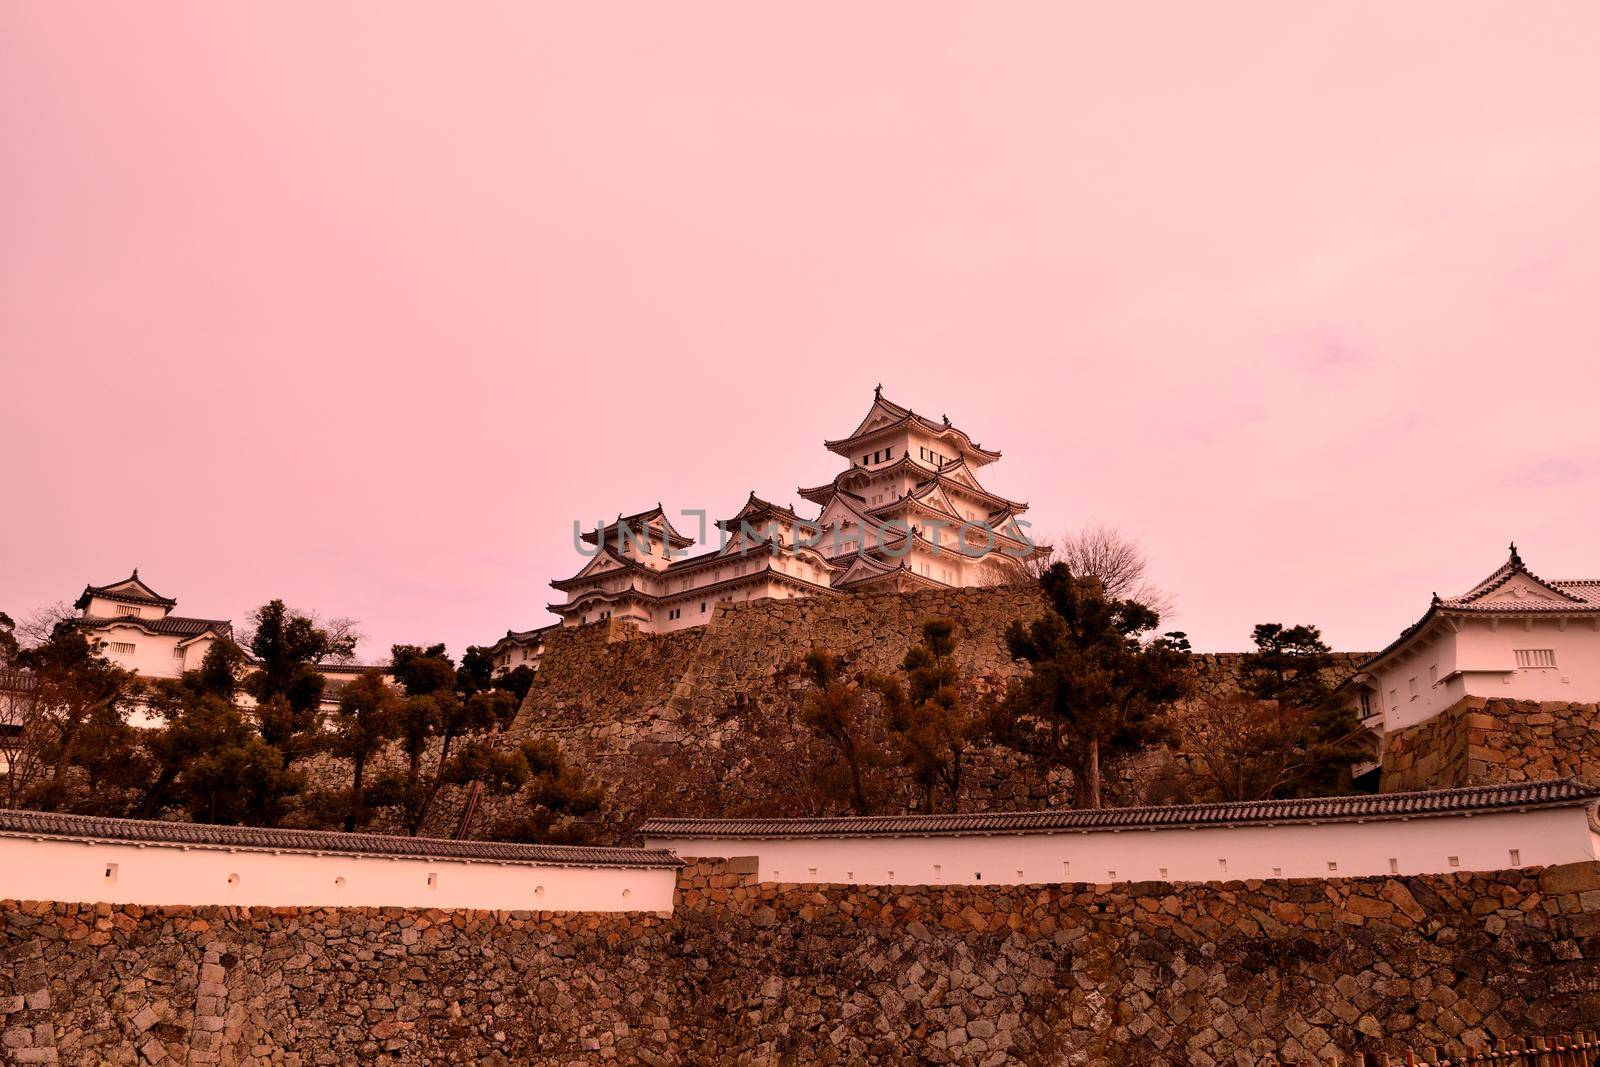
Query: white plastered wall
(119,873)
(1437,844)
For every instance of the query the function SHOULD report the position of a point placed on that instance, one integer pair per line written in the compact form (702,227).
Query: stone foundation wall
(707,721)
(1148,974)
(1480,742)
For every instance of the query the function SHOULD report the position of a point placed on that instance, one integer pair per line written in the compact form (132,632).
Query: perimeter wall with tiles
(1145,973)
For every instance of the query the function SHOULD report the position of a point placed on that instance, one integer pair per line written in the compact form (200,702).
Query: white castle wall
(1431,845)
(154,874)
(1480,659)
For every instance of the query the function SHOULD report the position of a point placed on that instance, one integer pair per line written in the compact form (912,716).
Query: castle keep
(907,513)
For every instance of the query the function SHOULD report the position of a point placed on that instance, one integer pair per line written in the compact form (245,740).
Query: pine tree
(1100,686)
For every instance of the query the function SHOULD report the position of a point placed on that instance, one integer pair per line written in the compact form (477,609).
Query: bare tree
(1111,557)
(23,736)
(1247,748)
(36,629)
(1241,751)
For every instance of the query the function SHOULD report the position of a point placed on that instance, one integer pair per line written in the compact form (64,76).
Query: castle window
(177,653)
(702,607)
(866,460)
(1536,657)
(124,647)
(1366,703)
(125,610)
(1433,674)
(888,453)
(1411,684)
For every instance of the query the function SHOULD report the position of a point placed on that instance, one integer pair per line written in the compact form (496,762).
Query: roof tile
(1472,799)
(91,827)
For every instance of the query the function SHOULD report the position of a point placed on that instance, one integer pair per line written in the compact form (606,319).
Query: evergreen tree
(367,720)
(197,719)
(83,702)
(930,726)
(549,791)
(1100,686)
(1312,742)
(833,710)
(8,641)
(288,647)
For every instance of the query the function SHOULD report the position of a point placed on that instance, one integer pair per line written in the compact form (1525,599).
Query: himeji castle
(907,513)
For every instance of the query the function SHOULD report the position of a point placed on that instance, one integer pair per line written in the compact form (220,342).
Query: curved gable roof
(131,590)
(885,415)
(1560,597)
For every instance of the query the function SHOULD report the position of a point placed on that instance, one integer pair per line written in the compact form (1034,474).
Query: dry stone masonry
(1486,742)
(706,722)
(1150,974)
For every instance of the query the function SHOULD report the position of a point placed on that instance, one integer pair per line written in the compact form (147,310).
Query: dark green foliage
(477,670)
(244,784)
(833,711)
(206,754)
(288,647)
(549,792)
(1290,664)
(8,640)
(443,704)
(1100,686)
(421,671)
(83,703)
(517,682)
(1314,738)
(931,727)
(368,718)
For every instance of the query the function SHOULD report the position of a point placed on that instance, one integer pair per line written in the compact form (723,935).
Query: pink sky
(360,305)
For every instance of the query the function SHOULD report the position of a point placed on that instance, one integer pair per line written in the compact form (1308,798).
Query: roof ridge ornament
(1516,559)
(877,394)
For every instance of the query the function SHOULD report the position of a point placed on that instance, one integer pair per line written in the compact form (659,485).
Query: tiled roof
(172,624)
(1579,592)
(519,637)
(1474,799)
(353,667)
(637,523)
(903,415)
(90,827)
(1565,596)
(110,592)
